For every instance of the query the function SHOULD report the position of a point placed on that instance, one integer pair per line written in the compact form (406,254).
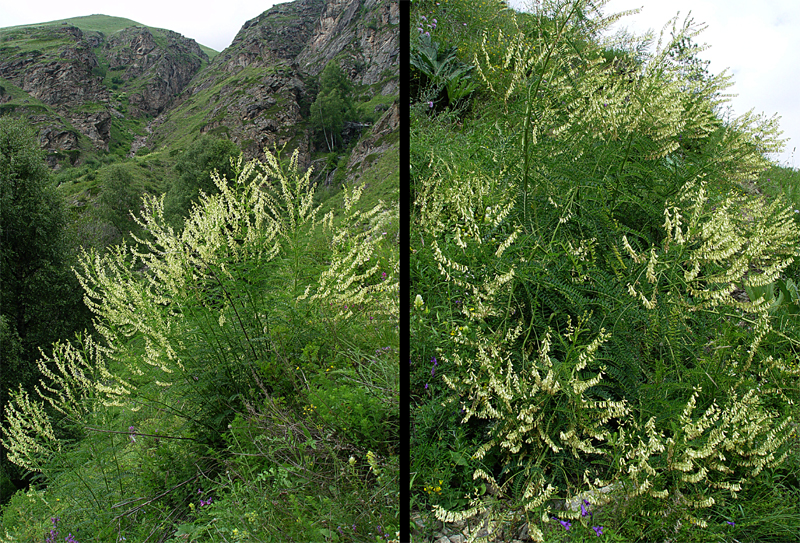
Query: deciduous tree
(333,106)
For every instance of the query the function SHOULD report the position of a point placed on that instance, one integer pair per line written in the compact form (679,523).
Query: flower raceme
(144,299)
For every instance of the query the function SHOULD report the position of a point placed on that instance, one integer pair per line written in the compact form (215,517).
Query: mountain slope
(258,91)
(104,24)
(89,90)
(136,98)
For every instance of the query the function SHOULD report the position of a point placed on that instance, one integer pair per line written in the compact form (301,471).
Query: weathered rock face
(252,91)
(277,34)
(134,54)
(366,31)
(59,139)
(379,141)
(67,77)
(380,44)
(256,92)
(64,80)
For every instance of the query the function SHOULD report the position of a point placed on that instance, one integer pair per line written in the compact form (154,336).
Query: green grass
(19,96)
(367,111)
(33,40)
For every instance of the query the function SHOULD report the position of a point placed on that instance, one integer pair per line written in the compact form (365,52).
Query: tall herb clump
(591,277)
(240,324)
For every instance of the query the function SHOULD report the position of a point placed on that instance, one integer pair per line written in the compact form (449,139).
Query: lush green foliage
(588,269)
(332,106)
(226,390)
(193,171)
(40,298)
(117,202)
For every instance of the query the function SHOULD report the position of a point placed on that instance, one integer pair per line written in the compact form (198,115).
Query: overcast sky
(213,24)
(759,43)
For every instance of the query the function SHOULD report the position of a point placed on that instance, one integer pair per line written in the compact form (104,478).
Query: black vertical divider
(405,209)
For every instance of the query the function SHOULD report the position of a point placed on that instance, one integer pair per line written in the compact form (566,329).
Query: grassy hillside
(98,23)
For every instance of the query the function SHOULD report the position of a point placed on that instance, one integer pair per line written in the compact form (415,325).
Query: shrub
(197,337)
(580,260)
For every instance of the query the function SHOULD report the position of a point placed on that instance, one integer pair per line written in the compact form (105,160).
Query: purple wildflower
(566,525)
(598,530)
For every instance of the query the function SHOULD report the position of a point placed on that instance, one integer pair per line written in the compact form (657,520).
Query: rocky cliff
(158,73)
(59,77)
(257,91)
(363,35)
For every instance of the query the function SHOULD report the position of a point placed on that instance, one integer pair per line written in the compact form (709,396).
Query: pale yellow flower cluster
(707,253)
(28,435)
(356,276)
(142,298)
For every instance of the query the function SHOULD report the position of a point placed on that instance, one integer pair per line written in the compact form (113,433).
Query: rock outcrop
(278,34)
(364,34)
(63,74)
(257,91)
(155,86)
(376,143)
(161,72)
